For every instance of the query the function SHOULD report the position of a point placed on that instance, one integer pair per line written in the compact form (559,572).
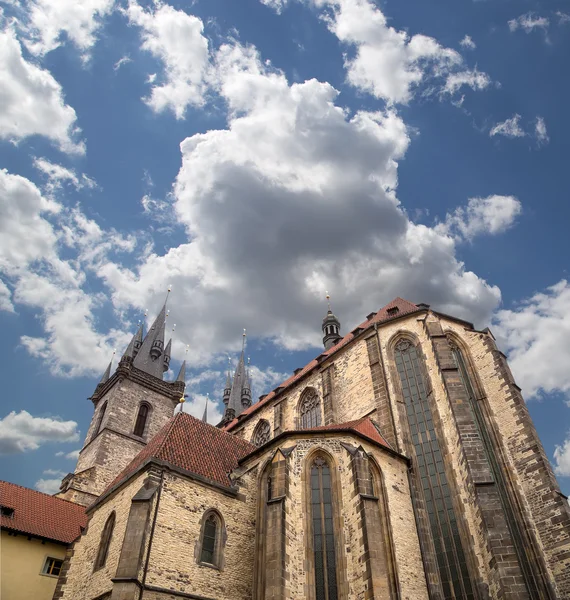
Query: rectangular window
(52,566)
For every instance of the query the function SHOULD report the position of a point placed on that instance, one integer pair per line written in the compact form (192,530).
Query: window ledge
(209,565)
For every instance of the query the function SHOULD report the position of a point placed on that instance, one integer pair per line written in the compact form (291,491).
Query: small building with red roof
(37,530)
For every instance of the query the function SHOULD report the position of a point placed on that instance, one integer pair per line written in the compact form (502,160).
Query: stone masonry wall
(82,583)
(173,557)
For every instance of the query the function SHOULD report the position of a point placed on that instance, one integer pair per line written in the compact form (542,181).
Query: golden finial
(173,327)
(328,301)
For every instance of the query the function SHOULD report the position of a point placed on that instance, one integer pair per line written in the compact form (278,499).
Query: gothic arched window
(262,433)
(309,409)
(323,530)
(142,417)
(210,551)
(105,542)
(450,556)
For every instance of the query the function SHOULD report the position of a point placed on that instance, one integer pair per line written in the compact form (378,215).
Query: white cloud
(48,486)
(389,64)
(20,432)
(277,5)
(49,20)
(540,131)
(5,298)
(535,336)
(510,128)
(125,60)
(296,196)
(73,455)
(563,18)
(475,79)
(32,100)
(57,175)
(176,38)
(562,459)
(53,472)
(468,43)
(491,215)
(528,23)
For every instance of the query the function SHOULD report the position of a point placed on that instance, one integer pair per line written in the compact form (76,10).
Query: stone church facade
(401,463)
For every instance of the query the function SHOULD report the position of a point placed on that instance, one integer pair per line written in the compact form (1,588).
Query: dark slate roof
(384,315)
(41,515)
(192,445)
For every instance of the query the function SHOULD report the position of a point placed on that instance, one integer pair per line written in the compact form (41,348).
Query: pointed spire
(147,358)
(239,396)
(182,372)
(106,374)
(167,352)
(205,415)
(135,343)
(228,386)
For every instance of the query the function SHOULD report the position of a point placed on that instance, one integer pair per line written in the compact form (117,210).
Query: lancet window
(142,417)
(309,409)
(323,530)
(450,556)
(100,419)
(210,539)
(105,542)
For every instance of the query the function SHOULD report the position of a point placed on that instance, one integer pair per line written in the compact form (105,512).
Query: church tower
(130,406)
(237,394)
(331,328)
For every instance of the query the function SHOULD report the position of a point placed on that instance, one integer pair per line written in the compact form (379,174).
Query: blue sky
(254,154)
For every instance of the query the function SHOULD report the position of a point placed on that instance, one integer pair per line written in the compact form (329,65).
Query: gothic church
(400,463)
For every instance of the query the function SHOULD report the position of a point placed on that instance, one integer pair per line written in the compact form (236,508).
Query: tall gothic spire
(135,343)
(239,396)
(205,415)
(150,357)
(331,327)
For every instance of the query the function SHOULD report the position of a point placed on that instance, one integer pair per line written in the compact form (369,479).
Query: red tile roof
(192,445)
(41,515)
(404,308)
(363,426)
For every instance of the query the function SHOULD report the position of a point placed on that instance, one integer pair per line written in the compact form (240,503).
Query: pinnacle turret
(106,374)
(150,358)
(135,343)
(167,352)
(237,393)
(182,372)
(331,328)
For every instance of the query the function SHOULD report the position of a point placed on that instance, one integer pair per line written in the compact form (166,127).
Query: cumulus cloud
(540,131)
(5,298)
(48,21)
(562,459)
(48,486)
(388,63)
(491,215)
(58,175)
(176,39)
(32,100)
(277,5)
(510,128)
(73,455)
(468,43)
(528,23)
(535,335)
(474,79)
(20,432)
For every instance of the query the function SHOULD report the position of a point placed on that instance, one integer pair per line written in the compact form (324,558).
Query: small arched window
(211,539)
(142,418)
(309,409)
(262,433)
(105,542)
(323,530)
(100,419)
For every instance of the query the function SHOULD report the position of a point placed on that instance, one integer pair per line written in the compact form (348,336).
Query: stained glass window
(310,409)
(323,531)
(433,482)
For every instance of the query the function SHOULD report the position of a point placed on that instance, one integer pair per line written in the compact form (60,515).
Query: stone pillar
(379,568)
(384,416)
(275,553)
(509,569)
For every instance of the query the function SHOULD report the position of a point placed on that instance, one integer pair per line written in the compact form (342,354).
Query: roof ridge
(23,487)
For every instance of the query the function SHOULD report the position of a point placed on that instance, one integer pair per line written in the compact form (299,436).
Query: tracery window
(262,433)
(323,530)
(142,418)
(210,539)
(450,556)
(309,409)
(105,542)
